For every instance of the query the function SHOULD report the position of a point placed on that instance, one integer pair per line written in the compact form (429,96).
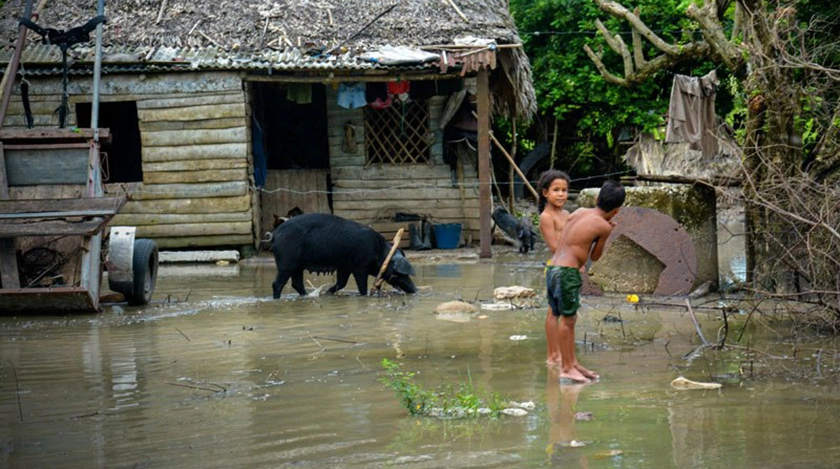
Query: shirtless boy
(583,238)
(554,191)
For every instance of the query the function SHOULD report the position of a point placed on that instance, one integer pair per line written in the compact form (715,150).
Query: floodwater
(216,373)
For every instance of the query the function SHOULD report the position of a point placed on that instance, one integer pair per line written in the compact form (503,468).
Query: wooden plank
(195,152)
(58,135)
(408,205)
(197,205)
(194,165)
(79,213)
(49,146)
(85,227)
(167,138)
(285,190)
(140,219)
(195,229)
(406,195)
(192,113)
(396,173)
(201,241)
(233,97)
(200,124)
(140,192)
(111,204)
(386,213)
(185,177)
(47,300)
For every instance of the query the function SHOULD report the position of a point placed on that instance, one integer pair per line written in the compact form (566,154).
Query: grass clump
(446,401)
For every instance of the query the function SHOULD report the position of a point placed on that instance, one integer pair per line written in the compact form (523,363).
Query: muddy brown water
(216,373)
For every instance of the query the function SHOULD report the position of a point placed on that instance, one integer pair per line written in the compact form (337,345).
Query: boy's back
(584,226)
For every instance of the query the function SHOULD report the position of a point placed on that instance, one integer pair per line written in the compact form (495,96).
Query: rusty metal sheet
(665,239)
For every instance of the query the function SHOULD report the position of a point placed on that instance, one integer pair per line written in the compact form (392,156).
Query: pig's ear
(401,265)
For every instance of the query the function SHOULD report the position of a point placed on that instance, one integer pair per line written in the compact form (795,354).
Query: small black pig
(525,234)
(521,229)
(324,243)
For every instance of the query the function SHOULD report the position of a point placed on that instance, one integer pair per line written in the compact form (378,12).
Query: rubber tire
(145,267)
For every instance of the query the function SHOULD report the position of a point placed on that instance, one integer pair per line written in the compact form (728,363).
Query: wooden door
(284,190)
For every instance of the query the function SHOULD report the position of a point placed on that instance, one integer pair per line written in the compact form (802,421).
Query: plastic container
(447,235)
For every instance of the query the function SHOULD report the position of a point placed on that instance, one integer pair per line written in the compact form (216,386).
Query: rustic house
(224,114)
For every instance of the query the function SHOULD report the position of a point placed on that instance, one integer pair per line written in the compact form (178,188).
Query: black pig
(525,234)
(324,243)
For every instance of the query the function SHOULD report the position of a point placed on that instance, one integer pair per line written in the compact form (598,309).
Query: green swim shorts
(563,290)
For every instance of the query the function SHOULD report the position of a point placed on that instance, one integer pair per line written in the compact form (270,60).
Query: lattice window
(398,134)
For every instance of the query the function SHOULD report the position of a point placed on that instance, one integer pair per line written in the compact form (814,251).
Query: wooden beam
(484,194)
(43,136)
(52,228)
(37,208)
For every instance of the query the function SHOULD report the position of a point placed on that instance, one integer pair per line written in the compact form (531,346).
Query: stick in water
(377,284)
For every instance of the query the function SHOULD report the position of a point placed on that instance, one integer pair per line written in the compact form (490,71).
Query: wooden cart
(54,215)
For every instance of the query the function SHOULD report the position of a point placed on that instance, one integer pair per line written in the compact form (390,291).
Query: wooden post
(484,192)
(511,192)
(8,258)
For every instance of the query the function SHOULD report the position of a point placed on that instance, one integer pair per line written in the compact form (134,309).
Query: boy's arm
(600,241)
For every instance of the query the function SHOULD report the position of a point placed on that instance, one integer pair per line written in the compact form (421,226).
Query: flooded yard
(216,373)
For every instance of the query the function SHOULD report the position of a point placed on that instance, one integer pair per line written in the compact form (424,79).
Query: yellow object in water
(633,298)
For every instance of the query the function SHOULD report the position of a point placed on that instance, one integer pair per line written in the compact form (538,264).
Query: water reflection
(215,373)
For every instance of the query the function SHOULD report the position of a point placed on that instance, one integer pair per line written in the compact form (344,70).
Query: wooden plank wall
(372,195)
(305,189)
(196,153)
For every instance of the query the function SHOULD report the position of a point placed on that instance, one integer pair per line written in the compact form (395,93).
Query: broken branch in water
(202,388)
(336,340)
(696,324)
(185,335)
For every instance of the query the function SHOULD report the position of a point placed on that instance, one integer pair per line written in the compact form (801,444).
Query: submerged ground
(215,373)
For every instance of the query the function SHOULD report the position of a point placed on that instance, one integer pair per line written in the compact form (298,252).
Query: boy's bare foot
(574,376)
(553,360)
(588,373)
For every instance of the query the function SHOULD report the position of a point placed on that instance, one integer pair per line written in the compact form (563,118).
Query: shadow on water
(216,373)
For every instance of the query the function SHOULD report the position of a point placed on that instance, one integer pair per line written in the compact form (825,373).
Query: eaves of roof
(43,59)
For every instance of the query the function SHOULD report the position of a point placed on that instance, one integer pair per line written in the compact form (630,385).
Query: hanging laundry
(300,93)
(691,113)
(351,95)
(399,89)
(380,103)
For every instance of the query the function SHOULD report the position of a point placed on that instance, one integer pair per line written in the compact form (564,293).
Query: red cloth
(398,87)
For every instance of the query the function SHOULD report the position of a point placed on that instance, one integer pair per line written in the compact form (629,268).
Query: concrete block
(198,256)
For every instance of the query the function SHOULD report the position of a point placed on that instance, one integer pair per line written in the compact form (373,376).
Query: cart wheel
(145,265)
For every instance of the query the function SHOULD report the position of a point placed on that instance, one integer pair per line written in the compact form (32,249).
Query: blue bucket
(447,235)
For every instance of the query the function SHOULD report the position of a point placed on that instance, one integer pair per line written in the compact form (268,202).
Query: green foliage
(447,401)
(593,112)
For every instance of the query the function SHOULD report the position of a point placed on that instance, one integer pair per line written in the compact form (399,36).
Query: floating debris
(515,291)
(684,384)
(455,307)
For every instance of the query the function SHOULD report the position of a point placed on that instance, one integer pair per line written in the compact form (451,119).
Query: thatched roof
(272,34)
